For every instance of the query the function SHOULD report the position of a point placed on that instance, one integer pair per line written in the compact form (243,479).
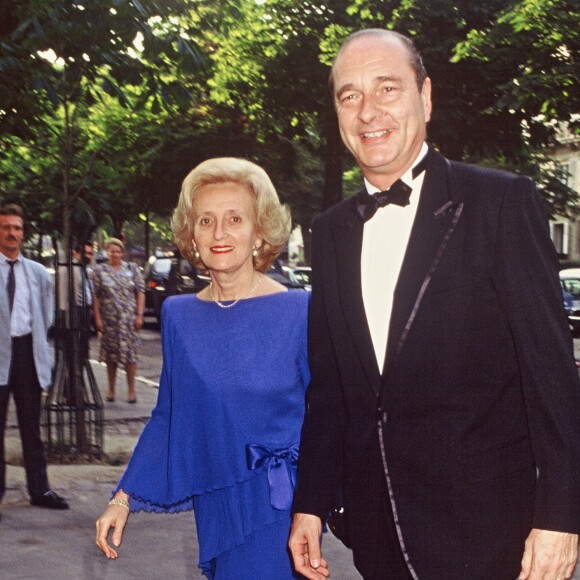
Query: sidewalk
(40,544)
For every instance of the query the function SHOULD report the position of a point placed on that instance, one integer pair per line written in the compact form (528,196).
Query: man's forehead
(375,61)
(11,220)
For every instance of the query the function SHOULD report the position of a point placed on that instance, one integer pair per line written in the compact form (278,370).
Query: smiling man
(444,399)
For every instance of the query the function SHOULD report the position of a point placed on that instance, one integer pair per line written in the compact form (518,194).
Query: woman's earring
(195,251)
(255,252)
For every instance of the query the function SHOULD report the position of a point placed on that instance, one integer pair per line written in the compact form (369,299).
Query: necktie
(366,205)
(11,284)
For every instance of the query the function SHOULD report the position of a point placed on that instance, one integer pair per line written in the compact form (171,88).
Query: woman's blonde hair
(273,220)
(114,242)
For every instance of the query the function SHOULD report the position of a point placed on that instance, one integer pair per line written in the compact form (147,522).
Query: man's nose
(369,109)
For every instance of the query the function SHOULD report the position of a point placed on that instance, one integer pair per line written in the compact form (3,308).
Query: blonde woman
(224,436)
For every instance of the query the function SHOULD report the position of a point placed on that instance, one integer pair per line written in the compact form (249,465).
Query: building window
(560,238)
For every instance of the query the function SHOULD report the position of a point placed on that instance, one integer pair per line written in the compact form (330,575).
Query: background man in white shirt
(26,314)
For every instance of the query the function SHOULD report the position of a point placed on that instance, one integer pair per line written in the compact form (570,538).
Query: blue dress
(223,438)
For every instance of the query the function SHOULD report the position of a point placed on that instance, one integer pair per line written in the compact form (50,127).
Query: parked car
(303,274)
(284,276)
(167,275)
(570,281)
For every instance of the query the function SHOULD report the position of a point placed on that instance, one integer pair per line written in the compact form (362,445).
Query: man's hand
(304,544)
(549,555)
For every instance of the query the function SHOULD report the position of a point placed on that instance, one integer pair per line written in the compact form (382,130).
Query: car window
(302,276)
(571,285)
(162,266)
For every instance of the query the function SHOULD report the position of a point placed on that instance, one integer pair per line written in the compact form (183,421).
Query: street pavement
(41,544)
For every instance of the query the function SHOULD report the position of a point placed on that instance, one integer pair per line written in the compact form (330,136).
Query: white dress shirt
(385,239)
(20,321)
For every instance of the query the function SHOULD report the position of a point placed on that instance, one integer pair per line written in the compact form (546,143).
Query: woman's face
(224,231)
(115,253)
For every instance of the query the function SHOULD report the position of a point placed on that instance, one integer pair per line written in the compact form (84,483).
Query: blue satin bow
(282,465)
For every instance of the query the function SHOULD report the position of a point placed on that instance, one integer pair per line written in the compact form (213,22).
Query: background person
(26,359)
(444,399)
(83,256)
(119,297)
(223,438)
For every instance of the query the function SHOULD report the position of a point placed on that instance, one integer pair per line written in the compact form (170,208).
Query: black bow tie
(366,205)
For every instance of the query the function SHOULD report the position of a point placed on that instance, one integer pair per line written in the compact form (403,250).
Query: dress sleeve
(153,478)
(138,278)
(95,278)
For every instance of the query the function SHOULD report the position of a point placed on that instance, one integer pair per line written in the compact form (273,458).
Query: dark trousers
(27,393)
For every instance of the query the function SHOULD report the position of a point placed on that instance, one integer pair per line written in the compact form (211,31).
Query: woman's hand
(115,516)
(138,321)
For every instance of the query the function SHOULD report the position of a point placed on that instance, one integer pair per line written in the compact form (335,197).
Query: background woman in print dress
(118,308)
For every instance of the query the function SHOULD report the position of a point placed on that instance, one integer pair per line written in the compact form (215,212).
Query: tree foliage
(108,104)
(61,60)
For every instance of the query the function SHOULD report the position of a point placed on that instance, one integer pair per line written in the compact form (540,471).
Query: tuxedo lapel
(347,238)
(437,215)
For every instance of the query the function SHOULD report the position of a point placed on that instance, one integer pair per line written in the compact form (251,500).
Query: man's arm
(321,447)
(530,293)
(322,441)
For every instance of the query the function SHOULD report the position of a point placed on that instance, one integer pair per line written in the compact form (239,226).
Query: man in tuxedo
(26,314)
(444,403)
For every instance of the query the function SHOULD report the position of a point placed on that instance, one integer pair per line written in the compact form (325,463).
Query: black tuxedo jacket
(474,423)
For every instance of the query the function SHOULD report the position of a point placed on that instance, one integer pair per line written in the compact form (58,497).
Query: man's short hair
(80,248)
(415,59)
(12,209)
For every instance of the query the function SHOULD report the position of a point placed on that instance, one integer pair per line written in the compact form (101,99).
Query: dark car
(303,274)
(570,282)
(284,277)
(167,275)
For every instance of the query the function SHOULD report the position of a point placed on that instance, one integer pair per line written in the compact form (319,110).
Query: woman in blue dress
(223,438)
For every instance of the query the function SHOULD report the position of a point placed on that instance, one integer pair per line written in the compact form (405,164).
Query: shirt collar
(407,177)
(3,258)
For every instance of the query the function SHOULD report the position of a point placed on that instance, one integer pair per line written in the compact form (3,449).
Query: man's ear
(426,98)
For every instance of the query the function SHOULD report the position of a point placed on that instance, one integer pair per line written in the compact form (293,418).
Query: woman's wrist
(121,499)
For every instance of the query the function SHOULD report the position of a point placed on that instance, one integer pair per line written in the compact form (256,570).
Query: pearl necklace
(222,305)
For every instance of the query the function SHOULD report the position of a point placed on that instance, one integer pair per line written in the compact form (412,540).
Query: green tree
(66,57)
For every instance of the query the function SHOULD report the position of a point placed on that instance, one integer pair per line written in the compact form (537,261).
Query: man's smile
(377,134)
